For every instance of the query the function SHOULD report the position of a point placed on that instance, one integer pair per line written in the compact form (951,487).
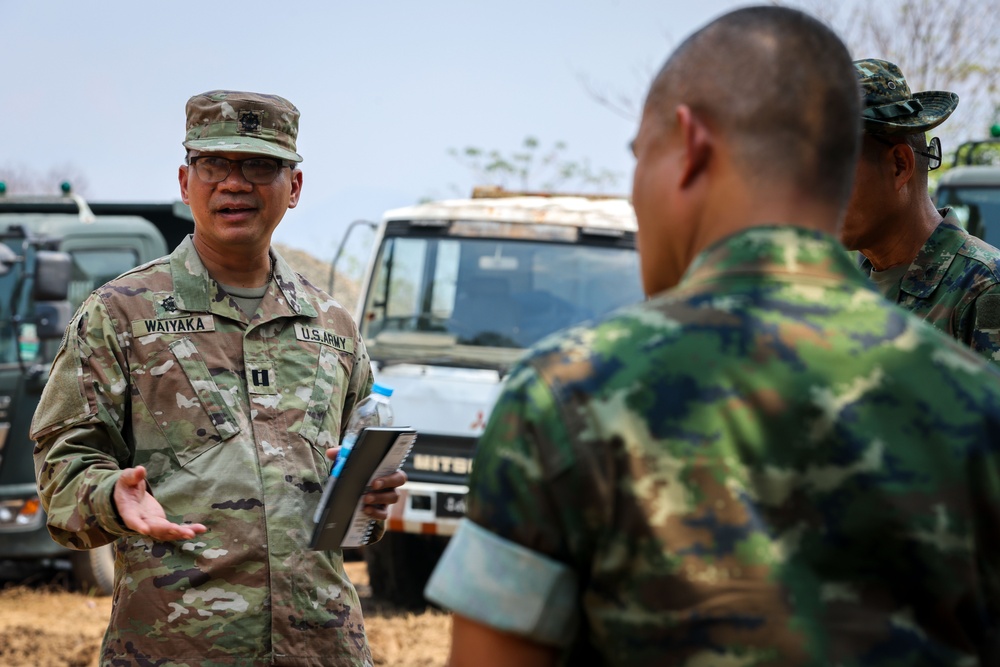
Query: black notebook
(340,523)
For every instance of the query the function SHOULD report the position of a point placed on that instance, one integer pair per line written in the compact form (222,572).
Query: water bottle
(373,410)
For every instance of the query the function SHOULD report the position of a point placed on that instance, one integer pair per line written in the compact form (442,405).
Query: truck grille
(443,459)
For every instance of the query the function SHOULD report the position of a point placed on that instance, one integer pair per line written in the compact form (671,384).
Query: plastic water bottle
(373,410)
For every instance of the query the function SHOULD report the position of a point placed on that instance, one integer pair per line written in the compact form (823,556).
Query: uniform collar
(774,250)
(935,257)
(194,289)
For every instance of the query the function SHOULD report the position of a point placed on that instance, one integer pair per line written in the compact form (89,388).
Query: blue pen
(345,449)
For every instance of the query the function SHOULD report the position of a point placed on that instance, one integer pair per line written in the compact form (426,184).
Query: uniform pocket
(184,402)
(326,391)
(69,395)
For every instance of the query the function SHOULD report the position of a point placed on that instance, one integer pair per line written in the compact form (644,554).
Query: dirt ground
(43,624)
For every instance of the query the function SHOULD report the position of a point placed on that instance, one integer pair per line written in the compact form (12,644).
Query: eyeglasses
(257,170)
(933,157)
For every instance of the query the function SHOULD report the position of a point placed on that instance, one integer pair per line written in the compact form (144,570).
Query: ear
(904,164)
(698,145)
(182,178)
(293,198)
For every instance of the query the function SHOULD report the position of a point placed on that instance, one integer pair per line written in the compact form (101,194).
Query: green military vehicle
(972,187)
(53,252)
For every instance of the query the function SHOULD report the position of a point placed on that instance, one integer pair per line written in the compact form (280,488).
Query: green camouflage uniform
(231,417)
(954,283)
(769,465)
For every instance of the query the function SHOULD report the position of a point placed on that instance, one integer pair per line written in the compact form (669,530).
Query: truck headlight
(20,512)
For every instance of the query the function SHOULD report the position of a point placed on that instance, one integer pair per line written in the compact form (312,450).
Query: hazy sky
(385,89)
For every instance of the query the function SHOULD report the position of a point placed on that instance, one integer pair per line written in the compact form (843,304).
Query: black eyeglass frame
(193,162)
(931,145)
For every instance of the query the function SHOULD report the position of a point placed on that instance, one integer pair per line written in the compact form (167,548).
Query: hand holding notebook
(340,521)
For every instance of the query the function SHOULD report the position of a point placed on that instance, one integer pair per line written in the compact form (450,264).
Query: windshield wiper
(501,367)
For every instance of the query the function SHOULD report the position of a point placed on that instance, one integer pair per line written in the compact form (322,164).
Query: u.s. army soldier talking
(192,413)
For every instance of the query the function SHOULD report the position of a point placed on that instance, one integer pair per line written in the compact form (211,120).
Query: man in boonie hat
(918,256)
(191,415)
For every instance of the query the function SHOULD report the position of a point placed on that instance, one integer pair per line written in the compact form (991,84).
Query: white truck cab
(455,292)
(971,187)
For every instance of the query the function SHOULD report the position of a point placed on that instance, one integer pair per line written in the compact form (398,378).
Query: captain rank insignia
(261,379)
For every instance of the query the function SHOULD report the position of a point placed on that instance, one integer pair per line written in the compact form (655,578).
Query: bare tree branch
(534,167)
(19,179)
(951,45)
(940,45)
(626,105)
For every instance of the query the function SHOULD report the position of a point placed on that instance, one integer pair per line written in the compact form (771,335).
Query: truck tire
(94,570)
(399,566)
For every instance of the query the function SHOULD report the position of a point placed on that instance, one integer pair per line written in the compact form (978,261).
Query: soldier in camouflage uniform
(191,415)
(919,257)
(766,463)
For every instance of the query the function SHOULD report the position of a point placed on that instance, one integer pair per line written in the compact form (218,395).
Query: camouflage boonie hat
(890,108)
(235,122)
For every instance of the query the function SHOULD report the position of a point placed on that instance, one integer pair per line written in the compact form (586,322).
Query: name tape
(196,324)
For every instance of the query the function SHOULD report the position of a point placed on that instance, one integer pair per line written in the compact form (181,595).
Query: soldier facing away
(191,415)
(918,256)
(766,463)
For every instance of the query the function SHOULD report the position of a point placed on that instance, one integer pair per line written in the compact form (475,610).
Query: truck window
(94,267)
(977,207)
(499,293)
(8,330)
(91,269)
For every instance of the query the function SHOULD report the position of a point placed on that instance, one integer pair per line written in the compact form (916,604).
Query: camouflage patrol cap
(236,122)
(890,108)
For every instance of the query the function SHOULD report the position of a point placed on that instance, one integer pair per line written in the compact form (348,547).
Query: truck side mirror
(52,318)
(340,249)
(53,271)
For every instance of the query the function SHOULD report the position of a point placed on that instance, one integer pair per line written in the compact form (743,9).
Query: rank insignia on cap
(233,121)
(250,121)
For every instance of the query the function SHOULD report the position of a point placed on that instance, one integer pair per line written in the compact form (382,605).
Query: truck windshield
(91,268)
(489,298)
(977,207)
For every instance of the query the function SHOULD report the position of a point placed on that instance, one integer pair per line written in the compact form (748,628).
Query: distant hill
(318,272)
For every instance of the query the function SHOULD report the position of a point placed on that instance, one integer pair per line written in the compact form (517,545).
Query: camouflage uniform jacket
(768,465)
(954,283)
(231,417)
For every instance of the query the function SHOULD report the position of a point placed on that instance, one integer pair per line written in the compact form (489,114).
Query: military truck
(972,187)
(53,252)
(454,293)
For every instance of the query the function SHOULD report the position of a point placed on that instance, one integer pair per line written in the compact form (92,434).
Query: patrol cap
(890,108)
(230,121)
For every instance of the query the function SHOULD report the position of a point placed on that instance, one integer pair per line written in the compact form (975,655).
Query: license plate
(450,505)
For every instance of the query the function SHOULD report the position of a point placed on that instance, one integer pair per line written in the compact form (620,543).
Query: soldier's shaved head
(780,87)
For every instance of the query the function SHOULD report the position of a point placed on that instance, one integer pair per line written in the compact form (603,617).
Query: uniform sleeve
(980,324)
(524,450)
(80,449)
(512,567)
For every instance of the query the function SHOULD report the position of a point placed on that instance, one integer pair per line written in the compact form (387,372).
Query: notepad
(339,520)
